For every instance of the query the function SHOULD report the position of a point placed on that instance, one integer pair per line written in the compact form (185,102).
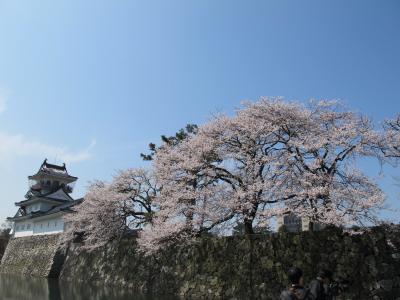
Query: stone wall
(35,256)
(3,245)
(242,267)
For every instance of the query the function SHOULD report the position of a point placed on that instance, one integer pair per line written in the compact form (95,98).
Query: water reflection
(14,287)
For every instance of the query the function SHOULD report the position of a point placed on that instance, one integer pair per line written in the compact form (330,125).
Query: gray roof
(55,170)
(51,196)
(66,207)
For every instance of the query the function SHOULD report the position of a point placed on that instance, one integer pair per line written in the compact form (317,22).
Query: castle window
(28,226)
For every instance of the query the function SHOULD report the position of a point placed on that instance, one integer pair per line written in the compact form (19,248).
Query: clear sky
(93,82)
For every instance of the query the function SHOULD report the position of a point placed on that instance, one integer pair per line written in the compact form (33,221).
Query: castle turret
(46,201)
(50,178)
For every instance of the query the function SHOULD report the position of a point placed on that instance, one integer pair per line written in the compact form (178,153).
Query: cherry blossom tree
(323,182)
(273,157)
(111,209)
(391,143)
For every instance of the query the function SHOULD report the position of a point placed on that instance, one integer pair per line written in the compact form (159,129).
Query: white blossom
(273,157)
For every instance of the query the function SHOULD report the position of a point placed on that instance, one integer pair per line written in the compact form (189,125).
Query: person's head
(325,275)
(295,276)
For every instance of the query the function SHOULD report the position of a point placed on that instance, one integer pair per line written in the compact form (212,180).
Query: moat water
(27,288)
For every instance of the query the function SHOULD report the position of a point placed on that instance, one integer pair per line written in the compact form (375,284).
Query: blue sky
(93,82)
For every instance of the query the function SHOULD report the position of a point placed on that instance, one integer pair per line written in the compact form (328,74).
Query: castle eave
(41,199)
(62,209)
(38,216)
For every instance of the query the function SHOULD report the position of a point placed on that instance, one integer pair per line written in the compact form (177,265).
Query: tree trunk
(248,226)
(311,226)
(249,218)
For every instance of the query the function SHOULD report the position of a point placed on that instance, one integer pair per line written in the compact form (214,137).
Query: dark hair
(325,273)
(294,274)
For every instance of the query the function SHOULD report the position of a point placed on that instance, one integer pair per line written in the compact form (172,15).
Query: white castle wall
(51,225)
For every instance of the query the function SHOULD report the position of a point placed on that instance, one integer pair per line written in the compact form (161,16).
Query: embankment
(241,267)
(34,256)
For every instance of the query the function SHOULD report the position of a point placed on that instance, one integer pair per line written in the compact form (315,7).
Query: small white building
(46,202)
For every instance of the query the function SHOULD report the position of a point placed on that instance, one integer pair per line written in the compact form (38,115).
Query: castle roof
(52,170)
(66,207)
(58,196)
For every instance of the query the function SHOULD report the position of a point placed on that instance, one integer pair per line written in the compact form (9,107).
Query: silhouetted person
(320,286)
(296,290)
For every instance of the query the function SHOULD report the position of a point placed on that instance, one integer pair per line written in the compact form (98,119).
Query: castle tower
(46,202)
